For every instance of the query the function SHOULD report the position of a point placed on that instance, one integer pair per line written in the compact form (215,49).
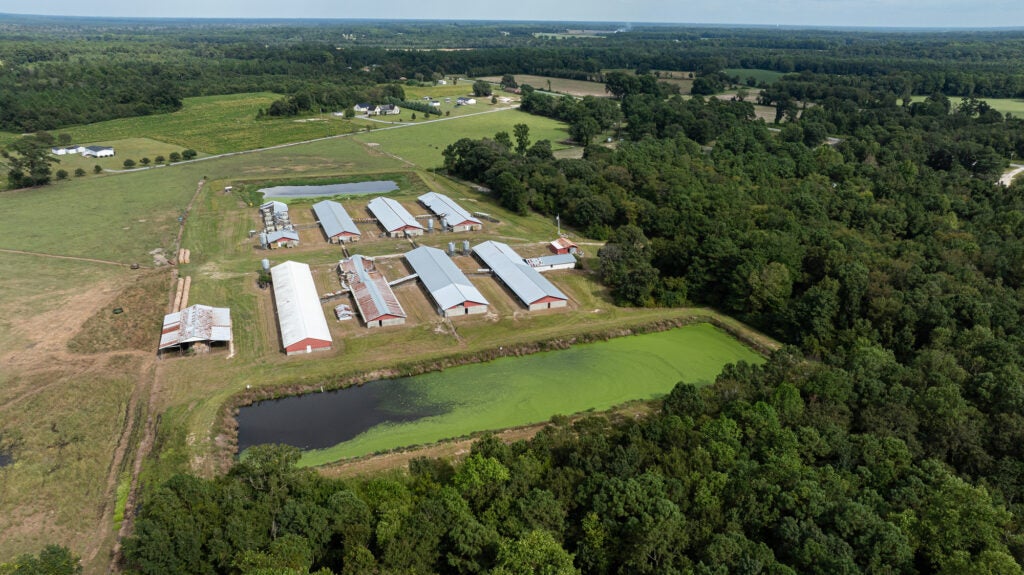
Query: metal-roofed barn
(533,289)
(299,313)
(395,219)
(454,215)
(450,289)
(552,262)
(376,302)
(335,221)
(196,324)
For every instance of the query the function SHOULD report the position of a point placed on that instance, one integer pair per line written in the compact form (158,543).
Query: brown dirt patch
(136,328)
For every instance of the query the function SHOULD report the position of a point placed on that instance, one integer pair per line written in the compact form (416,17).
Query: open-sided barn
(299,313)
(374,298)
(450,289)
(395,219)
(452,214)
(335,221)
(196,324)
(533,289)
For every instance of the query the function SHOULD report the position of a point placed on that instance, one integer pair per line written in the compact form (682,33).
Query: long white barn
(299,313)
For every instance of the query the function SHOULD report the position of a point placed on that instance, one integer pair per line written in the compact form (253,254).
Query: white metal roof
(444,206)
(526,282)
(392,215)
(443,279)
(334,219)
(298,306)
(278,207)
(196,323)
(282,234)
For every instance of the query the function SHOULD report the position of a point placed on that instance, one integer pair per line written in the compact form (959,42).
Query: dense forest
(57,72)
(865,230)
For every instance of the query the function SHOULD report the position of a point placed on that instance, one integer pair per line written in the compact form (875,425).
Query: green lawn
(121,217)
(1013,106)
(422,144)
(515,391)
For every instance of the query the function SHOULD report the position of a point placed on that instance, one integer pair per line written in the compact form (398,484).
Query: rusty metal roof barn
(370,289)
(197,323)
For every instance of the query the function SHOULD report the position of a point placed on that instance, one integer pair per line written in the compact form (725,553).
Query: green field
(514,391)
(423,143)
(214,125)
(766,76)
(1013,106)
(561,85)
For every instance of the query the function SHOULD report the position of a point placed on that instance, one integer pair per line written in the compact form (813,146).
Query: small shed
(563,246)
(280,239)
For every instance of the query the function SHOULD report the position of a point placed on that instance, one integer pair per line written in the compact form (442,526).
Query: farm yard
(80,404)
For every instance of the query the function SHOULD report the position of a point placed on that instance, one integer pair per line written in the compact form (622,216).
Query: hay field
(421,144)
(578,88)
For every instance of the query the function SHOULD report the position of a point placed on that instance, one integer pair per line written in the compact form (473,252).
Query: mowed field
(213,125)
(561,85)
(422,144)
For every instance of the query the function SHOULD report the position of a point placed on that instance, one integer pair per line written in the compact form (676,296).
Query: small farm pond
(507,392)
(374,187)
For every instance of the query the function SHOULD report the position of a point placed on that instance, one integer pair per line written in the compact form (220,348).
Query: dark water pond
(319,420)
(374,187)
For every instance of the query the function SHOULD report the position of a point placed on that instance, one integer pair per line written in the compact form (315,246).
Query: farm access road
(390,126)
(1008,177)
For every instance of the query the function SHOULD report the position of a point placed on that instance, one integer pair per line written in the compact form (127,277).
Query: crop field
(766,76)
(561,85)
(216,125)
(423,143)
(515,391)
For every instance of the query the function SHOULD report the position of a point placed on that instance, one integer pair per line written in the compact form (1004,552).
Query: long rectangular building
(395,219)
(452,215)
(374,298)
(450,289)
(533,289)
(299,313)
(335,221)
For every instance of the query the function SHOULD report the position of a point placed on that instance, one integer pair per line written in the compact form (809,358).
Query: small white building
(98,152)
(63,151)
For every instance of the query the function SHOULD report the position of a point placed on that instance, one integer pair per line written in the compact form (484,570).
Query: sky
(874,13)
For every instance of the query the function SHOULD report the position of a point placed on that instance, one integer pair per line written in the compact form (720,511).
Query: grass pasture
(423,143)
(578,88)
(129,148)
(215,125)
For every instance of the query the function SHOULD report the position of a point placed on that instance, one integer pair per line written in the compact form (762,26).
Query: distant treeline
(57,72)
